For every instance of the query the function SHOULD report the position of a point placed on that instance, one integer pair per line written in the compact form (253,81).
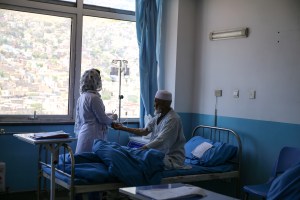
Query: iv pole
(122,68)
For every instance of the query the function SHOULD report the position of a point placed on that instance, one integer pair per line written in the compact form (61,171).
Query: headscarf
(91,81)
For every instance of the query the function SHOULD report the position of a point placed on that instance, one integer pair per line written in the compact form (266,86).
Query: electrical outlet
(252,94)
(236,93)
(218,93)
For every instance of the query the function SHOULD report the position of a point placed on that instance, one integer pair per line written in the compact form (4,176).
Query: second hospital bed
(84,173)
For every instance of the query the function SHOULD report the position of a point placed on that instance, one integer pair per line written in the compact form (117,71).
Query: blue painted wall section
(261,140)
(186,119)
(21,157)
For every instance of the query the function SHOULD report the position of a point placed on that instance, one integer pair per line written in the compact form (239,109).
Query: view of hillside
(35,61)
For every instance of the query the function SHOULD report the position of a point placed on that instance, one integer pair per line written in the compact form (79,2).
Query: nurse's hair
(91,81)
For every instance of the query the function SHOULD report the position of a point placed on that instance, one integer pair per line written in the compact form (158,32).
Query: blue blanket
(89,169)
(133,167)
(110,161)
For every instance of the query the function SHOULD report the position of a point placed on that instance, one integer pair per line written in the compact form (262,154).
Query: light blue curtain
(148,25)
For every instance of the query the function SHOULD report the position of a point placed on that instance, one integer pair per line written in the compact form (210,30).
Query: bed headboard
(218,134)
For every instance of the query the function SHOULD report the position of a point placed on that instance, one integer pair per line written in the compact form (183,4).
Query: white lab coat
(91,121)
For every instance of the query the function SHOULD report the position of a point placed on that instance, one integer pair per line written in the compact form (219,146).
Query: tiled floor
(61,195)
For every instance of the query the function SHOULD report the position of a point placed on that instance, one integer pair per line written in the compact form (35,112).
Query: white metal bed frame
(210,132)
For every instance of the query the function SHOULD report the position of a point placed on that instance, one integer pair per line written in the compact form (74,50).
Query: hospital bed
(223,162)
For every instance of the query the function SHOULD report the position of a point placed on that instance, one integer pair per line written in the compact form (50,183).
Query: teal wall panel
(186,119)
(21,157)
(261,142)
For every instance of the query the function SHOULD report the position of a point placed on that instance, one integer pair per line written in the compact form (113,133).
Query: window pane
(34,63)
(74,1)
(117,4)
(105,40)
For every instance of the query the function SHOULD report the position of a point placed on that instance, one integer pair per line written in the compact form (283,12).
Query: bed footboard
(218,134)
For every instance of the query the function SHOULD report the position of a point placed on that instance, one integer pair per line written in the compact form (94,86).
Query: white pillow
(201,148)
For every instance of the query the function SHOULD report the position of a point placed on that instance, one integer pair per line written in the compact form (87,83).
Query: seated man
(166,131)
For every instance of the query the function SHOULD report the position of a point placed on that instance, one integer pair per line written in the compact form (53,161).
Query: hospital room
(229,69)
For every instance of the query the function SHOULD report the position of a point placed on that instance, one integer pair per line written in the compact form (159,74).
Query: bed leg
(38,194)
(71,195)
(85,196)
(245,196)
(238,188)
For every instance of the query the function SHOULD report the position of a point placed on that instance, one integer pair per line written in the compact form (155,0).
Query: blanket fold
(133,167)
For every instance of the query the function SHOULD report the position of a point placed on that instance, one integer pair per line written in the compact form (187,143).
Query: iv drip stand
(121,69)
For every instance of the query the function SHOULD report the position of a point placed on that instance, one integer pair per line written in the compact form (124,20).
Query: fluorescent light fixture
(229,34)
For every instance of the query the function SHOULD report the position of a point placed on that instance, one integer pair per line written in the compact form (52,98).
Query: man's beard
(157,111)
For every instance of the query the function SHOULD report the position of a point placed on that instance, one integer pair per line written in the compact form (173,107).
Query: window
(104,40)
(116,4)
(42,53)
(35,64)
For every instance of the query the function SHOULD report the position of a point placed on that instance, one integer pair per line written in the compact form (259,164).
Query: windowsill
(25,123)
(36,123)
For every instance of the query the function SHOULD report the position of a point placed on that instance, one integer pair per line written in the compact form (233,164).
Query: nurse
(91,120)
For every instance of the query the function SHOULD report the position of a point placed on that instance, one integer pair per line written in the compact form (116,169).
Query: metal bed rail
(43,160)
(218,134)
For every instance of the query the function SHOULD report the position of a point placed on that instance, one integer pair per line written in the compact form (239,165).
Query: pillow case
(218,154)
(201,149)
(192,144)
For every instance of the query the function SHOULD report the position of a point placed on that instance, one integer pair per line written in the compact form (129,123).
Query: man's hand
(117,126)
(143,147)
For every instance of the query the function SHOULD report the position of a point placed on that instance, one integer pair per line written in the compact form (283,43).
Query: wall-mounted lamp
(229,34)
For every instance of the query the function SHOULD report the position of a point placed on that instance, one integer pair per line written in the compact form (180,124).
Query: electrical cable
(216,113)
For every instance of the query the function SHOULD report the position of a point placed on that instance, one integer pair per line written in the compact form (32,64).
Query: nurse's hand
(114,116)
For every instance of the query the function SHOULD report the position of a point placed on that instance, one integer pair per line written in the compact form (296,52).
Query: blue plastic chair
(288,157)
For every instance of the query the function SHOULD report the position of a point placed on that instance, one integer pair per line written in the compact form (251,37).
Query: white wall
(169,45)
(267,61)
(185,56)
(179,50)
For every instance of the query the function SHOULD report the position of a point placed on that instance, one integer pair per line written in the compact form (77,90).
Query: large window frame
(75,11)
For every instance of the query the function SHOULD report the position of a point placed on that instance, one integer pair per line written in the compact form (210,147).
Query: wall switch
(252,94)
(236,93)
(218,93)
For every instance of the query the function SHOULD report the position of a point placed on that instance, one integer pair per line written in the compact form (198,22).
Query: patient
(166,131)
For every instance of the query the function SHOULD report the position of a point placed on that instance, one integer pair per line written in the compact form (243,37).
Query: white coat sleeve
(99,110)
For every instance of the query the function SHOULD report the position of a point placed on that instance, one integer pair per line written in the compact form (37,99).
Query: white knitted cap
(163,95)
